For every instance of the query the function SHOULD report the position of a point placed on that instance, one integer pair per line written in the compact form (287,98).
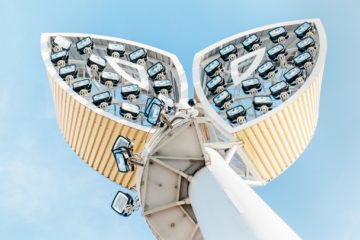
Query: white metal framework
(192,166)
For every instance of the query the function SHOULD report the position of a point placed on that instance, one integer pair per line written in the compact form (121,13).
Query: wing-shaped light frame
(272,141)
(91,131)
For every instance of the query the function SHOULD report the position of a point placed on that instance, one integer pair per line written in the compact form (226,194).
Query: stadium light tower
(191,164)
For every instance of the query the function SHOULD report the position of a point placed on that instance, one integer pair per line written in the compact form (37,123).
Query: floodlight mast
(255,110)
(188,191)
(232,206)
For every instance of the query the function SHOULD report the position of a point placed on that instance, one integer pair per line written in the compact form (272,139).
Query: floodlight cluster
(290,54)
(82,64)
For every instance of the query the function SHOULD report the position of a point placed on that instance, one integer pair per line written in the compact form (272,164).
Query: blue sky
(47,192)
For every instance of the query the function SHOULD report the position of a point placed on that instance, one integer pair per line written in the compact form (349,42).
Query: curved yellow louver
(276,142)
(91,135)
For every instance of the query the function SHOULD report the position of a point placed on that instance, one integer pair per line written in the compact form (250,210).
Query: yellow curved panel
(274,144)
(91,135)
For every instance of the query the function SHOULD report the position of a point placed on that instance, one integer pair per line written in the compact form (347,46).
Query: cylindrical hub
(227,208)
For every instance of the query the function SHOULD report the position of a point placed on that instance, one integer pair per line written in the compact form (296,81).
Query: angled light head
(154,114)
(120,202)
(122,151)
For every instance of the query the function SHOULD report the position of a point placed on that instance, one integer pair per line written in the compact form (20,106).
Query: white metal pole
(227,208)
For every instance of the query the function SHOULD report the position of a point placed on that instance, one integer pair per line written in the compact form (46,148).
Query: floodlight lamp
(303,29)
(104,97)
(260,101)
(96,62)
(149,103)
(265,69)
(301,59)
(215,83)
(130,91)
(137,55)
(155,70)
(122,152)
(250,42)
(61,43)
(305,44)
(123,204)
(130,111)
(275,51)
(168,103)
(291,75)
(227,51)
(109,77)
(154,114)
(85,45)
(161,85)
(115,49)
(213,67)
(235,113)
(252,83)
(81,85)
(122,141)
(68,70)
(277,33)
(222,98)
(59,58)
(278,88)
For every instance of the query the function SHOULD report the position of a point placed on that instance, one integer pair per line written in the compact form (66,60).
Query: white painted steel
(230,154)
(238,78)
(227,208)
(143,82)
